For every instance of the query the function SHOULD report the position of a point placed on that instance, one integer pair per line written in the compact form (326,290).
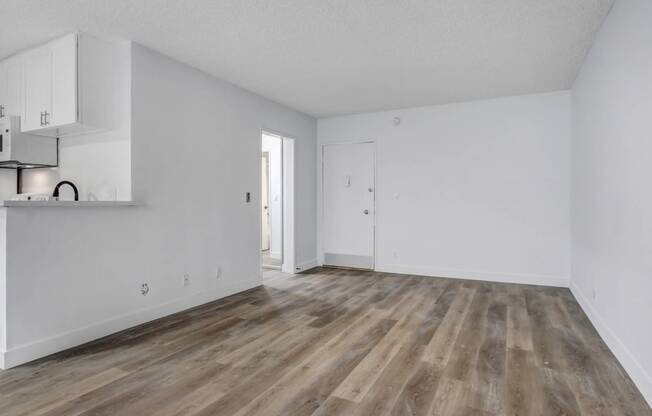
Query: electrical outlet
(186,279)
(218,272)
(144,289)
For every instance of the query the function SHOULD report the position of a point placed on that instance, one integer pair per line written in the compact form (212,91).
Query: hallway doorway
(277,202)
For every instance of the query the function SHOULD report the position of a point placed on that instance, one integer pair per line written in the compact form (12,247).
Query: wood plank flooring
(338,342)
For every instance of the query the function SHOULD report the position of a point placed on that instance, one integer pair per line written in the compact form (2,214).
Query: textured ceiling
(327,57)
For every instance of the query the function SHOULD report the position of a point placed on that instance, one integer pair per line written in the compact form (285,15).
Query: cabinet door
(64,81)
(3,89)
(38,88)
(14,100)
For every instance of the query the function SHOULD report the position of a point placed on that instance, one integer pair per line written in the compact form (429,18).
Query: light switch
(347,181)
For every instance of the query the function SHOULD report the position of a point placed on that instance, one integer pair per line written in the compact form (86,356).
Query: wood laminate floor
(337,342)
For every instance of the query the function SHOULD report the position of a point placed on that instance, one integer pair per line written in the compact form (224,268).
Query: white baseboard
(306,265)
(42,348)
(636,372)
(528,279)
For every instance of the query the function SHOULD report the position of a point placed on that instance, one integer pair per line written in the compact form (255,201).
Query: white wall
(474,190)
(74,274)
(99,164)
(612,196)
(272,145)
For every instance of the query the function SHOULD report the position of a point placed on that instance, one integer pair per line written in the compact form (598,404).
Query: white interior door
(348,205)
(264,200)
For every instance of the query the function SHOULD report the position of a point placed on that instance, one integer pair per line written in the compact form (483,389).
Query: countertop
(80,204)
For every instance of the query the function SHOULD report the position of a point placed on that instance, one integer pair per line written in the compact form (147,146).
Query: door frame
(321,196)
(288,163)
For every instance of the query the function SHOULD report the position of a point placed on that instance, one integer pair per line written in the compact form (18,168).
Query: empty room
(325,207)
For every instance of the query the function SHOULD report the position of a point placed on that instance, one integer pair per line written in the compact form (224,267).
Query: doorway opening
(277,202)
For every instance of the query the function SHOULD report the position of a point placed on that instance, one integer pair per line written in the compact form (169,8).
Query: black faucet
(74,188)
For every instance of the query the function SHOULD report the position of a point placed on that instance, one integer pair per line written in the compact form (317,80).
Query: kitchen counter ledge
(80,204)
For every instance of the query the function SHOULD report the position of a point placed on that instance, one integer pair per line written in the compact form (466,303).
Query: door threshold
(363,269)
(271,267)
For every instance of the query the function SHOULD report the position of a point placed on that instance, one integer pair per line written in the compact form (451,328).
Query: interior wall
(471,190)
(612,202)
(273,145)
(191,171)
(99,164)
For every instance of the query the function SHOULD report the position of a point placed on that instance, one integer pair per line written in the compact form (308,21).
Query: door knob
(365,212)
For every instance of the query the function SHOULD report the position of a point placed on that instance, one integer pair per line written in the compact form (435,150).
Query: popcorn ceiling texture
(328,57)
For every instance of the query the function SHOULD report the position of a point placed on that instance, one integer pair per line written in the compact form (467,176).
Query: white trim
(289,168)
(520,278)
(634,369)
(306,265)
(38,349)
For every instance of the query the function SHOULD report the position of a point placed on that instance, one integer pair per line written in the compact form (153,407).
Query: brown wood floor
(335,342)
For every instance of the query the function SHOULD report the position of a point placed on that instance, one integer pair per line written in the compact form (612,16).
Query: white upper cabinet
(67,85)
(38,88)
(64,81)
(11,87)
(3,89)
